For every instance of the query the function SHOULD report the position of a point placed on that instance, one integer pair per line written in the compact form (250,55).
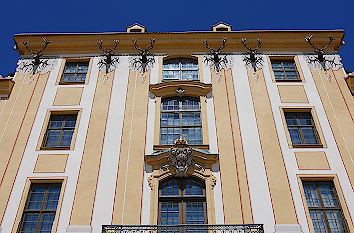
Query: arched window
(175,69)
(182,201)
(180,117)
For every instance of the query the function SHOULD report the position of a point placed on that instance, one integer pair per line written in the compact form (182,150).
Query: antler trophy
(320,52)
(36,55)
(252,58)
(107,61)
(216,60)
(143,62)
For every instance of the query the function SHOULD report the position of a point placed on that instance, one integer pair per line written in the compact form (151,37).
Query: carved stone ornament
(181,158)
(330,61)
(27,65)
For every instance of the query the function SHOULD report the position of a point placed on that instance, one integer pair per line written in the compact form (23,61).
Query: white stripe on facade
(106,186)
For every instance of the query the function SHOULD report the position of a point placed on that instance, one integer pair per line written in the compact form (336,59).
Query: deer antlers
(144,51)
(320,51)
(249,48)
(36,55)
(143,62)
(116,42)
(252,59)
(108,61)
(216,60)
(221,47)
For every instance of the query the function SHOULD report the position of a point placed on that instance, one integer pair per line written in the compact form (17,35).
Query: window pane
(169,188)
(60,130)
(29,222)
(301,128)
(284,70)
(75,72)
(46,222)
(335,221)
(193,187)
(194,213)
(41,208)
(311,195)
(324,209)
(169,213)
(318,221)
(180,69)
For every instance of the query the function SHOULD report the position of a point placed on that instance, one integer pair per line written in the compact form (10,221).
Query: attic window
(135,30)
(221,29)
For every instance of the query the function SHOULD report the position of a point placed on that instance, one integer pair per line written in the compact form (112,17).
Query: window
(180,69)
(75,72)
(182,201)
(41,206)
(325,212)
(60,131)
(302,128)
(285,70)
(180,117)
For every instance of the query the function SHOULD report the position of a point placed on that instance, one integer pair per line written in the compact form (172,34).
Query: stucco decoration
(329,62)
(102,64)
(137,65)
(181,158)
(27,66)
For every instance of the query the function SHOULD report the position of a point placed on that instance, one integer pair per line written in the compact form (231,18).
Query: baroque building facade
(239,131)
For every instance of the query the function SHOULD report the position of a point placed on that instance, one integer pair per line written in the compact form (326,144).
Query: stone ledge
(288,228)
(79,229)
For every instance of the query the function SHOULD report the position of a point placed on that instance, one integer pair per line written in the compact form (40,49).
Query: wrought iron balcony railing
(224,228)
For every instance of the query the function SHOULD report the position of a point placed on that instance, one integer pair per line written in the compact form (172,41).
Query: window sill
(55,148)
(287,80)
(165,147)
(308,146)
(71,83)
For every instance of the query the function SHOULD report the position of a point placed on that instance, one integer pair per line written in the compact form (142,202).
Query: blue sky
(179,15)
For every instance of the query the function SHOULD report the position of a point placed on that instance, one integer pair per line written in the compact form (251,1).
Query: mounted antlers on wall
(252,58)
(36,55)
(143,62)
(321,53)
(215,60)
(108,61)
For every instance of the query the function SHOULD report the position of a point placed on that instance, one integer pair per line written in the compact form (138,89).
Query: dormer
(136,28)
(221,27)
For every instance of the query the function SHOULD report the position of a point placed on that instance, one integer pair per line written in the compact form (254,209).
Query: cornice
(178,42)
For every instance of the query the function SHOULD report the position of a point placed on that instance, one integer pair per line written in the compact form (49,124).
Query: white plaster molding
(288,228)
(79,229)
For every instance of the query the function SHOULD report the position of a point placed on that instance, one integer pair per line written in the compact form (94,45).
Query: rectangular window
(41,206)
(180,118)
(301,128)
(325,211)
(285,70)
(180,69)
(60,131)
(75,72)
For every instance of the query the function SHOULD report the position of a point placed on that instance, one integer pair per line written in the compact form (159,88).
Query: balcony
(224,228)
